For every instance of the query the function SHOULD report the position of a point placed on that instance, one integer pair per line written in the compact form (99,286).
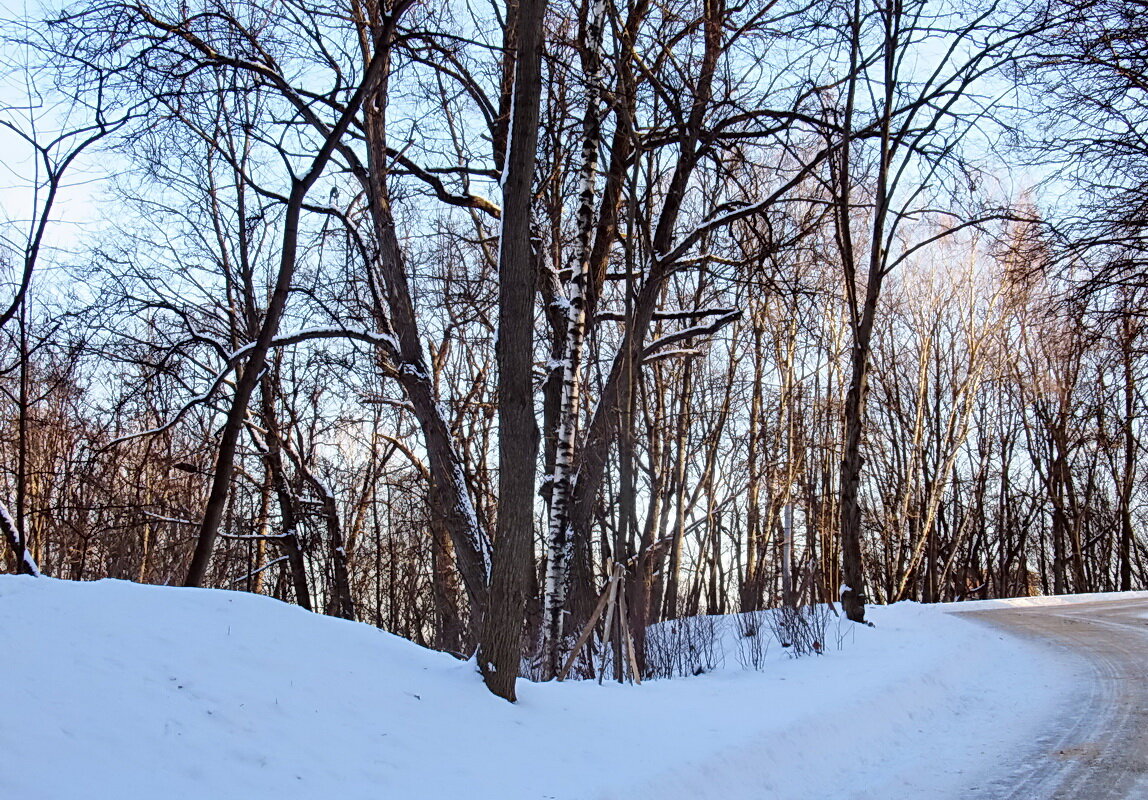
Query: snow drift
(113,689)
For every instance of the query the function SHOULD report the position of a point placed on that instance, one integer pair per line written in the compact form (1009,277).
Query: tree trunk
(560,540)
(250,372)
(500,647)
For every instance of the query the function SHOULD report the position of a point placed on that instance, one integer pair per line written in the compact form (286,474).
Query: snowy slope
(113,689)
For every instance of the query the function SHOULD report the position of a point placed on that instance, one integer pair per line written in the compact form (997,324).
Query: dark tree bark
(500,649)
(288,537)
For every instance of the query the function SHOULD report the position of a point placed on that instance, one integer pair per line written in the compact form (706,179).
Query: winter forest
(515,328)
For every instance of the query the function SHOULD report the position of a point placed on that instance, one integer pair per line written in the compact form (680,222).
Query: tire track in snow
(1098,749)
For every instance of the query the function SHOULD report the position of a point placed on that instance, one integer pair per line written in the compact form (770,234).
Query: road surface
(1099,748)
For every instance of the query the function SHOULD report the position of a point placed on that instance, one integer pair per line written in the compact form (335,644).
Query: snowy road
(1099,748)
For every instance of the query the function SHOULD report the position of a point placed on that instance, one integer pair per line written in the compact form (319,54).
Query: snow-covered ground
(1040,601)
(113,689)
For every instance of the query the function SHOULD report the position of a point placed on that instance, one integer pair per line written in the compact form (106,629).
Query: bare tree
(500,650)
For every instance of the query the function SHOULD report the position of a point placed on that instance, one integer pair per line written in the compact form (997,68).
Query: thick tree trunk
(341,602)
(1128,478)
(444,585)
(500,648)
(685,417)
(288,505)
(394,312)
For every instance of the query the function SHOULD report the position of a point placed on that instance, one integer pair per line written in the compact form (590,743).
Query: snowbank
(1039,601)
(113,689)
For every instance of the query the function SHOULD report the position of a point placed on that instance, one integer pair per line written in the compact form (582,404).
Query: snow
(1038,601)
(12,531)
(142,692)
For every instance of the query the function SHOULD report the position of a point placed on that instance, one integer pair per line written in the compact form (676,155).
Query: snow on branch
(690,333)
(371,398)
(256,536)
(175,520)
(255,572)
(198,400)
(675,314)
(679,353)
(16,542)
(665,260)
(357,334)
(740,211)
(384,340)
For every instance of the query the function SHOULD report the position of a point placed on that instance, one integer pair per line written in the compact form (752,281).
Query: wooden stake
(587,629)
(615,577)
(628,640)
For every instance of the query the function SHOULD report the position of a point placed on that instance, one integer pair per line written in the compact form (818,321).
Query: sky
(77,207)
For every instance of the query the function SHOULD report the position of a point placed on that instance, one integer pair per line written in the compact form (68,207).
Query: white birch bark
(25,563)
(559,540)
